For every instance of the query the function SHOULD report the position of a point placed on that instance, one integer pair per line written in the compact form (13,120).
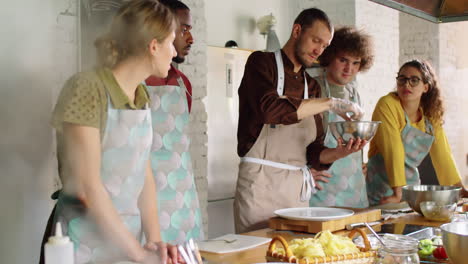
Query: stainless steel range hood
(437,11)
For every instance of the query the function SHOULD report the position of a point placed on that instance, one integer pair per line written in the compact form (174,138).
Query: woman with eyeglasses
(411,128)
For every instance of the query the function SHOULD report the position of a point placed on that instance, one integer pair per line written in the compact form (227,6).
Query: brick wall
(418,39)
(452,77)
(195,68)
(382,24)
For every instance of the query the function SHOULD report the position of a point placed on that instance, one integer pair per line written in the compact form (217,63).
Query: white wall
(236,20)
(382,23)
(453,77)
(37,53)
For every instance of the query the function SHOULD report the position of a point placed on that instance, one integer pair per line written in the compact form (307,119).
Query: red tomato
(439,253)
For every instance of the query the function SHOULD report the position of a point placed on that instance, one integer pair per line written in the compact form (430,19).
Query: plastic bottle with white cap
(59,248)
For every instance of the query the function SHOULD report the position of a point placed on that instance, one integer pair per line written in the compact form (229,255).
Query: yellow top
(83,99)
(388,143)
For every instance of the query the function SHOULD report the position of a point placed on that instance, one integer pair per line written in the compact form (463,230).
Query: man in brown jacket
(280,131)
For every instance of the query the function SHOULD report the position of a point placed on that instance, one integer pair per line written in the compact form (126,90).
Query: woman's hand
(353,145)
(364,171)
(395,198)
(390,199)
(320,176)
(167,253)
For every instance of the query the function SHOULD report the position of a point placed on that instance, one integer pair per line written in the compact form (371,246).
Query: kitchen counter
(257,255)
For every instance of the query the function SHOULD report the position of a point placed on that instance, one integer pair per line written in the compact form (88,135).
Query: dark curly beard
(178,59)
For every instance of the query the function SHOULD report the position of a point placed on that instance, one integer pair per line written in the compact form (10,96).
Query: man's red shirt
(171,79)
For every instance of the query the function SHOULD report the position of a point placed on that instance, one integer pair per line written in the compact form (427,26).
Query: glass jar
(398,249)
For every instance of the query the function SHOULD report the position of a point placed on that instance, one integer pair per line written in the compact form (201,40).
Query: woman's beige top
(83,101)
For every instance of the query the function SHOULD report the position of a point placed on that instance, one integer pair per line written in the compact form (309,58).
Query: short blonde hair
(134,26)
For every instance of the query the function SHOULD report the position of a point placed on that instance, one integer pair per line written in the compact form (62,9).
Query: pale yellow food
(322,245)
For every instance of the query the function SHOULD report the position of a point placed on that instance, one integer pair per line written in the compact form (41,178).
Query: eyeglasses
(413,81)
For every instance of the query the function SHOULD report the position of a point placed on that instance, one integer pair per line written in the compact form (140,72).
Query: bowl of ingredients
(436,211)
(455,240)
(416,194)
(347,130)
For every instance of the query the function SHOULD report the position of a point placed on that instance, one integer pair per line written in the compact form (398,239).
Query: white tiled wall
(195,69)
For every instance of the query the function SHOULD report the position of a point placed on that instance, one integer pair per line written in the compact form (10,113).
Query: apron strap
(280,84)
(280,68)
(429,127)
(182,85)
(308,182)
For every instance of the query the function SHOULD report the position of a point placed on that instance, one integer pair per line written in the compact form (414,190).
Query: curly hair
(136,23)
(353,42)
(431,101)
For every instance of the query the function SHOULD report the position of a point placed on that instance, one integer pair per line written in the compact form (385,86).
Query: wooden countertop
(257,255)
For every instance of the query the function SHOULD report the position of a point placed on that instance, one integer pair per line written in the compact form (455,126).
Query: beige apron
(273,174)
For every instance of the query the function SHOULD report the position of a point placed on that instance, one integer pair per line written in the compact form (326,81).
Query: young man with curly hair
(349,53)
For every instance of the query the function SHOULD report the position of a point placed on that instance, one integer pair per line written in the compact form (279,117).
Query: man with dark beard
(182,43)
(178,205)
(280,133)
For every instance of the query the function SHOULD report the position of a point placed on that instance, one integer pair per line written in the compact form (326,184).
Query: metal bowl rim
(442,227)
(355,121)
(409,188)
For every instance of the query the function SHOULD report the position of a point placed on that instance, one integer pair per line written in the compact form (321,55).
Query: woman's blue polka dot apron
(125,152)
(416,144)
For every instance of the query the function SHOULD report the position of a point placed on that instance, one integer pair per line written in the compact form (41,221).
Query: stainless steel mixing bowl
(353,129)
(455,239)
(415,194)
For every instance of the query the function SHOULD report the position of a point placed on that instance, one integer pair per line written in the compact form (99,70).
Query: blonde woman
(104,136)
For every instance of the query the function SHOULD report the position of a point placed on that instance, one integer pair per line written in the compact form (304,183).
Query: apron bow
(308,182)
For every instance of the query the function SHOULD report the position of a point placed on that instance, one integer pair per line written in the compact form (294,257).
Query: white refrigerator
(225,71)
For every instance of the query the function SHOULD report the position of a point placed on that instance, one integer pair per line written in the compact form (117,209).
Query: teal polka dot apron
(179,211)
(416,144)
(125,152)
(347,186)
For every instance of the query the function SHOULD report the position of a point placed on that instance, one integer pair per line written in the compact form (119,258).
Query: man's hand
(342,107)
(353,145)
(320,176)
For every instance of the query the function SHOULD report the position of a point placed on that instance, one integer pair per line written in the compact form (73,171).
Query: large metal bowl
(455,239)
(353,129)
(415,194)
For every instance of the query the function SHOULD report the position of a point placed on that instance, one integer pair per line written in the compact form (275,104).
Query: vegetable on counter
(426,247)
(434,247)
(439,253)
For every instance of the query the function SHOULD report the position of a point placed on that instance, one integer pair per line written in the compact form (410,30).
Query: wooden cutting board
(360,215)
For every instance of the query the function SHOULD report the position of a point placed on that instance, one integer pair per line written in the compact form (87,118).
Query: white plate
(313,213)
(242,242)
